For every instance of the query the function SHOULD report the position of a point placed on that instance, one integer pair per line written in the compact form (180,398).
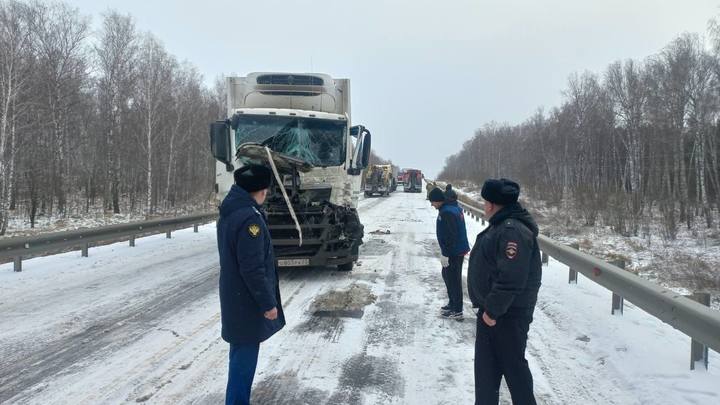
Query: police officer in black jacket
(503,281)
(250,305)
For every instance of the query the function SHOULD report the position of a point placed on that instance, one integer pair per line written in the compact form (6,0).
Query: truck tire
(345,266)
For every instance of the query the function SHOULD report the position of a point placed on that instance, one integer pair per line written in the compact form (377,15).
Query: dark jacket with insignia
(451,231)
(505,270)
(248,277)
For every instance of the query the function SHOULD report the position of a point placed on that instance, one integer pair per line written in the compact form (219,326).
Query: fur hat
(253,177)
(500,191)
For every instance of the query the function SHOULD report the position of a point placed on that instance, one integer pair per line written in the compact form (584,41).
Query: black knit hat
(253,177)
(501,192)
(450,194)
(436,195)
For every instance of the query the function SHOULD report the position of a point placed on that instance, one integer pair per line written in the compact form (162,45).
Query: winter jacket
(248,277)
(504,271)
(451,231)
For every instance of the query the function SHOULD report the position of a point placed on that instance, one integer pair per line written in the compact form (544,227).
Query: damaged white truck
(300,125)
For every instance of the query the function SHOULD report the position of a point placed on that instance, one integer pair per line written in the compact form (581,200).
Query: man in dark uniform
(250,305)
(503,281)
(452,238)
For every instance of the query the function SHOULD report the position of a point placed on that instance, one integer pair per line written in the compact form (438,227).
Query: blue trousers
(241,372)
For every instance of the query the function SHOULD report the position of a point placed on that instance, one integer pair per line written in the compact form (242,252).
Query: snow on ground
(77,217)
(685,265)
(141,325)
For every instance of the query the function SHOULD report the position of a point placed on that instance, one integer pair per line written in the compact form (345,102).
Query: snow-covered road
(141,325)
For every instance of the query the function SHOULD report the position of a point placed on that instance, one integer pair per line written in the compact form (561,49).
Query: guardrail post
(698,351)
(572,274)
(545,258)
(17,265)
(168,234)
(85,249)
(617,301)
(132,241)
(195,228)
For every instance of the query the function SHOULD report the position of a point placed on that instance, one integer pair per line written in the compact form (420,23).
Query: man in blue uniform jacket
(250,305)
(452,238)
(503,281)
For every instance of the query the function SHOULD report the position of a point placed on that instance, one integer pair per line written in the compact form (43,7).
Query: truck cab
(300,126)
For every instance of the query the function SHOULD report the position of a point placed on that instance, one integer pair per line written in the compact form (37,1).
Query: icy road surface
(141,325)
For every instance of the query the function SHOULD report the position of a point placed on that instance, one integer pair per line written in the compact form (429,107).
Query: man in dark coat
(452,238)
(450,194)
(503,281)
(250,305)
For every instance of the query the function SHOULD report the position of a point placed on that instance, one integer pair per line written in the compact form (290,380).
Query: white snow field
(142,325)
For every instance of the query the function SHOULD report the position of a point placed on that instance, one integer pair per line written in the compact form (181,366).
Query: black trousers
(452,276)
(500,351)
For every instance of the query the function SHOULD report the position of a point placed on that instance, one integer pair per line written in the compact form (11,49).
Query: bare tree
(60,34)
(116,119)
(155,72)
(116,55)
(15,63)
(644,137)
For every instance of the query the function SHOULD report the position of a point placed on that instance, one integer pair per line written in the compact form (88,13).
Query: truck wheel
(345,266)
(368,194)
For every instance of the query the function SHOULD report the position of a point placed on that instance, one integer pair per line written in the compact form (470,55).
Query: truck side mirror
(220,144)
(361,154)
(366,148)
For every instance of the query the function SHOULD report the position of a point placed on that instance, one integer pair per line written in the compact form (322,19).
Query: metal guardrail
(699,322)
(32,246)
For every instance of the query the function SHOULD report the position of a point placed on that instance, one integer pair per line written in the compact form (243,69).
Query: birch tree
(154,77)
(116,58)
(60,34)
(15,62)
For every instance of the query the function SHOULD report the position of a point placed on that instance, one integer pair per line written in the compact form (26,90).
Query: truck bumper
(328,239)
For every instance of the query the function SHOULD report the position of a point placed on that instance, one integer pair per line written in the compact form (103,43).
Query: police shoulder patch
(511,250)
(254,230)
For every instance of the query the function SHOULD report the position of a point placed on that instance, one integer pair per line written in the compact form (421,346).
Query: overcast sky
(425,74)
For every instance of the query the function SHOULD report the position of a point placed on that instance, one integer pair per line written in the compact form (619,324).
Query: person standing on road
(450,194)
(452,238)
(250,304)
(504,275)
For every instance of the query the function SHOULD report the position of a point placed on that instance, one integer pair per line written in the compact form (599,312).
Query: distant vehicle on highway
(412,181)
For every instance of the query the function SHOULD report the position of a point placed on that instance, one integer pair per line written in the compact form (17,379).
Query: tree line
(97,121)
(637,143)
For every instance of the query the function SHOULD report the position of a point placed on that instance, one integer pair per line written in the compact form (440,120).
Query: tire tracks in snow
(103,336)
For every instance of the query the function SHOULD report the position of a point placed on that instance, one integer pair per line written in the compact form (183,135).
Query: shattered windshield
(318,142)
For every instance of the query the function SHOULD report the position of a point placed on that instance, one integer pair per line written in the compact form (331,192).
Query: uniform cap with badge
(253,177)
